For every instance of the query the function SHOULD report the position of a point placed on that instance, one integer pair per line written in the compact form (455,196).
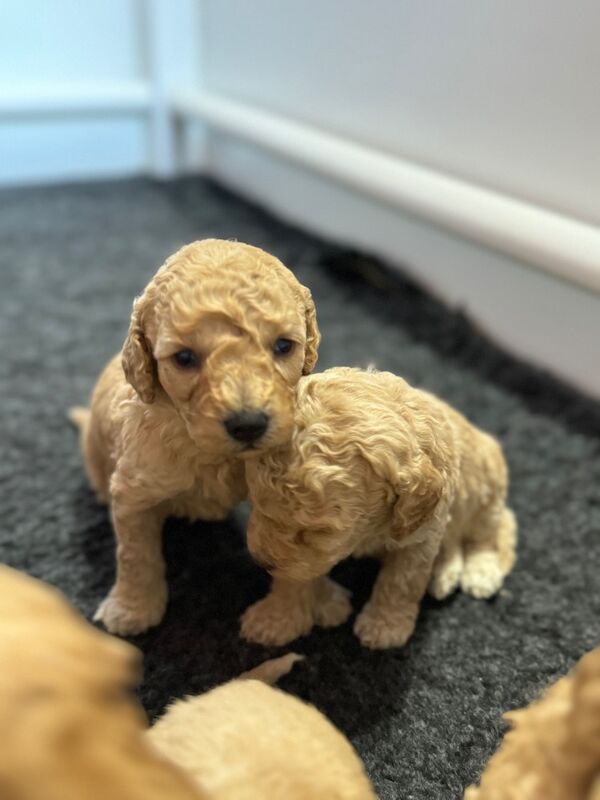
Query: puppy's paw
(381,629)
(482,576)
(272,623)
(332,605)
(446,580)
(128,616)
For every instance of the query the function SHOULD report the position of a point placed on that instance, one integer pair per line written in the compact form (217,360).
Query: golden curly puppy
(70,728)
(248,741)
(552,751)
(376,468)
(216,345)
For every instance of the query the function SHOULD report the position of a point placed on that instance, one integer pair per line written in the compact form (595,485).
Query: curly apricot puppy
(70,728)
(216,345)
(552,751)
(248,741)
(376,468)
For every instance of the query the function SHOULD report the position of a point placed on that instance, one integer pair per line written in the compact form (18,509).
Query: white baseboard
(67,130)
(531,313)
(469,245)
(71,97)
(549,240)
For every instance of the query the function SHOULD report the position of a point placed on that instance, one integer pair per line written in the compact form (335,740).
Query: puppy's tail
(270,671)
(80,417)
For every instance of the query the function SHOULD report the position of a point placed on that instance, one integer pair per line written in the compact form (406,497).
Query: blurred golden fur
(154,440)
(376,468)
(70,729)
(248,741)
(552,751)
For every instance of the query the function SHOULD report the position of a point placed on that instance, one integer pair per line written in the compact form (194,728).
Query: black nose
(247,426)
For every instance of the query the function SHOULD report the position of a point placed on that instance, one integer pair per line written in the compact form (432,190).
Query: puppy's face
(231,377)
(225,332)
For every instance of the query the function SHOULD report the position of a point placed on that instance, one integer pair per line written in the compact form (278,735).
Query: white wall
(550,322)
(457,139)
(82,86)
(327,112)
(68,39)
(504,94)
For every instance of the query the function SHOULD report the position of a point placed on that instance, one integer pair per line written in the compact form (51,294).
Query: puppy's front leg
(389,618)
(292,608)
(138,599)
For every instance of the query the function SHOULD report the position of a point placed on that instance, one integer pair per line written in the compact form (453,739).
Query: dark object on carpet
(425,718)
(451,335)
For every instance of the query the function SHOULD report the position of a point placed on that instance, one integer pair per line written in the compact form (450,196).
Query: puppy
(70,729)
(248,741)
(377,468)
(217,342)
(552,751)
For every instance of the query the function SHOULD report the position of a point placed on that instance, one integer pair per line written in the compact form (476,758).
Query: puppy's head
(223,333)
(295,553)
(303,507)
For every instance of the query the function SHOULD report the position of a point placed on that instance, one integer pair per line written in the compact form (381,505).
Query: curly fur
(375,467)
(154,440)
(552,751)
(248,741)
(70,728)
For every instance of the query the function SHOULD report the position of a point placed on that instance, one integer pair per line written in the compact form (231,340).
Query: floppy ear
(418,496)
(137,359)
(313,335)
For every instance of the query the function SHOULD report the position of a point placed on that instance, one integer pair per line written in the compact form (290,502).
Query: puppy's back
(361,403)
(246,740)
(366,406)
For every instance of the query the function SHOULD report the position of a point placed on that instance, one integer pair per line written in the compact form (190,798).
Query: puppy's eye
(283,346)
(186,359)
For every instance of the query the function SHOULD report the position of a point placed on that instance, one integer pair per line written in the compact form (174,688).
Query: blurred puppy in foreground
(70,729)
(552,751)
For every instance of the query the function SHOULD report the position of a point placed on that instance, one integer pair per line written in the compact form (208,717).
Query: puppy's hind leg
(447,570)
(331,606)
(94,456)
(489,550)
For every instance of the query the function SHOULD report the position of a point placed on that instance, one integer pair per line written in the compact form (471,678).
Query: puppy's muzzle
(247,427)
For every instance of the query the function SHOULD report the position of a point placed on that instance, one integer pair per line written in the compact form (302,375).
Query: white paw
(381,629)
(271,623)
(482,577)
(128,617)
(446,581)
(333,606)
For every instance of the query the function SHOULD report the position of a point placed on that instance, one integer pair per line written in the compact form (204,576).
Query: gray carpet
(424,718)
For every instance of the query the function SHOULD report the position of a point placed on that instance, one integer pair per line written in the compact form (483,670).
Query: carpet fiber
(424,718)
